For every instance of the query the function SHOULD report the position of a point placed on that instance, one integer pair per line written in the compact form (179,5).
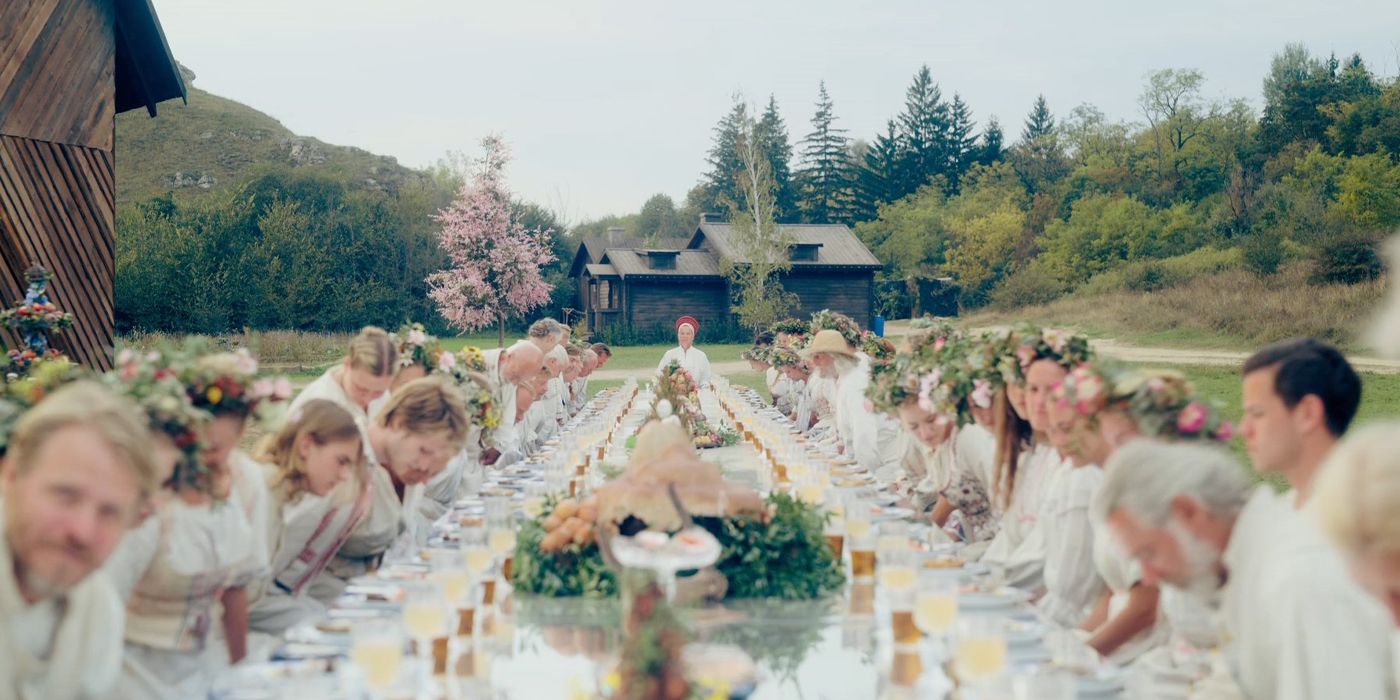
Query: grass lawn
(624,357)
(754,380)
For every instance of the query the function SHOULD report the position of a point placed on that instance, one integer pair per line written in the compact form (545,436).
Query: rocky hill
(213,143)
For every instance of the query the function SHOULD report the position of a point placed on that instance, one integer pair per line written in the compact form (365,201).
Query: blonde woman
(361,378)
(195,556)
(317,449)
(1356,501)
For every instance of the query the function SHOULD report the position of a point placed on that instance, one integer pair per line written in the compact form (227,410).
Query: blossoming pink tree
(494,262)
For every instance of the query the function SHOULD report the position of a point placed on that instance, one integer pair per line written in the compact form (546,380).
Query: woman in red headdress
(690,358)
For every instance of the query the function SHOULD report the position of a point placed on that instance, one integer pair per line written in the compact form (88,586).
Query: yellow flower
(214,394)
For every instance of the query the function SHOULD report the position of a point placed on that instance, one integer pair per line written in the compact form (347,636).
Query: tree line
(936,193)
(1314,174)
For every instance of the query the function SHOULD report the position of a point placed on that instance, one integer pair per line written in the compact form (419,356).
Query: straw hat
(828,341)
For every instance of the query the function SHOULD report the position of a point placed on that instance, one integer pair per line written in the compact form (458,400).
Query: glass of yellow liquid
(448,571)
(501,543)
(425,611)
(980,649)
(377,649)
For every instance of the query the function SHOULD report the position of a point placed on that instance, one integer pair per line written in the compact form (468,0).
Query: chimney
(614,233)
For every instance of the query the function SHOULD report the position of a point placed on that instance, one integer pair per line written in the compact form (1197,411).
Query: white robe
(506,438)
(1019,547)
(1072,581)
(50,651)
(1296,625)
(874,440)
(1121,573)
(693,361)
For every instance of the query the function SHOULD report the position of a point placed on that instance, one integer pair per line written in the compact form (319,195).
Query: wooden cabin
(67,68)
(628,283)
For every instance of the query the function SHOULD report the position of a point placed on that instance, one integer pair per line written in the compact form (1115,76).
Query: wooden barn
(67,68)
(629,284)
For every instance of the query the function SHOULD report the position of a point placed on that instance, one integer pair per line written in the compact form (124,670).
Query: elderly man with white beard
(1295,626)
(873,440)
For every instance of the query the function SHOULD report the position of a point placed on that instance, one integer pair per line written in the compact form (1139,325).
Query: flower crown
(475,388)
(472,359)
(783,357)
(22,393)
(1060,346)
(1165,404)
(790,326)
(149,381)
(892,383)
(416,346)
(227,382)
(826,319)
(760,354)
(930,330)
(879,350)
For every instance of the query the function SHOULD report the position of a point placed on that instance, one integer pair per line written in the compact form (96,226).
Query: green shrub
(1033,284)
(1159,274)
(1263,253)
(1350,259)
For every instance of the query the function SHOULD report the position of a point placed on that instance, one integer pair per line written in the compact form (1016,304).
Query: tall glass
(860,537)
(980,651)
(377,649)
(936,609)
(425,616)
(898,579)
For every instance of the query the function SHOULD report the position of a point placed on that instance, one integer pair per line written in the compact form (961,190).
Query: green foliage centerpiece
(770,547)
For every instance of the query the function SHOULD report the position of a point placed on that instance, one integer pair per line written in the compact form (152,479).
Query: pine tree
(825,175)
(962,142)
(773,142)
(923,134)
(1040,122)
(992,144)
(719,189)
(879,177)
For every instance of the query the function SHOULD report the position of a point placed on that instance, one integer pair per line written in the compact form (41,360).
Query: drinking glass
(377,649)
(898,580)
(980,652)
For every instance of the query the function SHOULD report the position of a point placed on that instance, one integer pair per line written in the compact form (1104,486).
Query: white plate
(884,514)
(1003,599)
(1108,683)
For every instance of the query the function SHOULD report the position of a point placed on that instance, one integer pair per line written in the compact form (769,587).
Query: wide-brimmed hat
(828,341)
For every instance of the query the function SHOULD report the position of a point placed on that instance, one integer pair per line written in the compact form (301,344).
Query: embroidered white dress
(1019,547)
(173,570)
(954,472)
(692,360)
(874,440)
(1072,581)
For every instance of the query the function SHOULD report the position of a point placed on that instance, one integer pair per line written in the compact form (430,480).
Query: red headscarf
(690,320)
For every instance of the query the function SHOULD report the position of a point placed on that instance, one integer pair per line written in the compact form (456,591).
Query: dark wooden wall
(57,188)
(852,292)
(660,302)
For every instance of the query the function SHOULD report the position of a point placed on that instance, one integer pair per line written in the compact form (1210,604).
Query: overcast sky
(608,102)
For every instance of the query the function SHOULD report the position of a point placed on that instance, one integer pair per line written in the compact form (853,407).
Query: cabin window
(662,260)
(805,252)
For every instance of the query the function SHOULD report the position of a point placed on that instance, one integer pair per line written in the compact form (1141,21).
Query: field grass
(1231,310)
(753,380)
